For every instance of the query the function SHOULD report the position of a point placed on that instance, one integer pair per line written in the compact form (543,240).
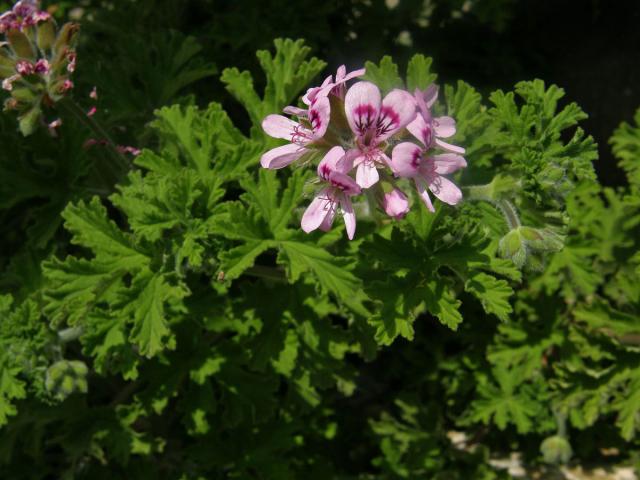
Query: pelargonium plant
(365,142)
(37,60)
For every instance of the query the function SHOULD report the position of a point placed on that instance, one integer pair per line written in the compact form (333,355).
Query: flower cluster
(364,141)
(36,61)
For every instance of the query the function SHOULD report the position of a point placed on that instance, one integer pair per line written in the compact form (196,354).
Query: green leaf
(91,228)
(287,74)
(333,273)
(419,73)
(11,388)
(385,75)
(442,304)
(150,294)
(494,294)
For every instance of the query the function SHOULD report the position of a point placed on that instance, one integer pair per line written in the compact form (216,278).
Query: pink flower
(337,194)
(25,67)
(66,86)
(411,161)
(396,204)
(431,130)
(94,93)
(7,83)
(336,87)
(42,66)
(71,58)
(311,130)
(373,120)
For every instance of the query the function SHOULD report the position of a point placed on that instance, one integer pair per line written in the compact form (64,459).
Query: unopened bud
(66,377)
(511,246)
(66,38)
(396,204)
(46,35)
(556,450)
(29,121)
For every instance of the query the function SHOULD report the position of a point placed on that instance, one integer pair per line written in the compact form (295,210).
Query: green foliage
(172,321)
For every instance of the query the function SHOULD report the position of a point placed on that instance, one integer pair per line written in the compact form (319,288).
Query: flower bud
(542,239)
(66,377)
(556,450)
(46,35)
(66,38)
(23,95)
(396,204)
(511,246)
(29,121)
(20,44)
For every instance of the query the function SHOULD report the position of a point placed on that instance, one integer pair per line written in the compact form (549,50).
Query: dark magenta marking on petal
(325,170)
(364,117)
(416,159)
(314,118)
(388,120)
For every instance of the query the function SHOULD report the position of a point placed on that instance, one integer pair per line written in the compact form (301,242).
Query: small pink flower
(430,130)
(25,67)
(336,87)
(92,111)
(339,189)
(7,83)
(373,120)
(94,93)
(411,161)
(67,85)
(42,66)
(131,150)
(71,58)
(299,134)
(396,204)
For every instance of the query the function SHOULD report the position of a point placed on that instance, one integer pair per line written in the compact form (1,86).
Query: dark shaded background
(588,47)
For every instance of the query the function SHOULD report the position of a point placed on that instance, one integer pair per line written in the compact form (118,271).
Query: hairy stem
(70,334)
(510,213)
(73,109)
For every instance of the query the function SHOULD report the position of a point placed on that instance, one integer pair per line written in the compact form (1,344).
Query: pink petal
(354,74)
(367,174)
(341,73)
(327,223)
(430,95)
(344,183)
(316,212)
(282,156)
(349,216)
(329,162)
(396,204)
(398,109)
(312,93)
(448,163)
(319,116)
(278,126)
(420,129)
(447,146)
(424,193)
(298,112)
(444,127)
(362,105)
(406,159)
(445,190)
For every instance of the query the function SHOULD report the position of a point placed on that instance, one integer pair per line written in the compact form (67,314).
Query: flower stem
(268,273)
(73,109)
(70,334)
(510,213)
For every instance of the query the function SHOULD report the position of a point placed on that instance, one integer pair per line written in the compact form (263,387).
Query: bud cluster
(360,141)
(37,60)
